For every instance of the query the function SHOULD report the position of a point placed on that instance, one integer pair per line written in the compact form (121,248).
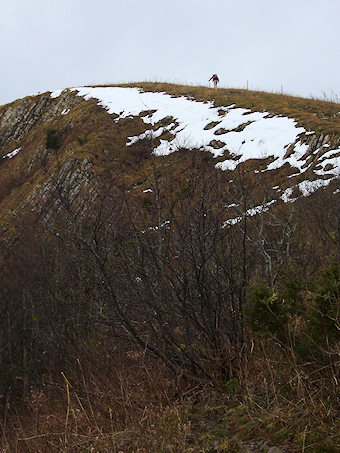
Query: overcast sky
(292,45)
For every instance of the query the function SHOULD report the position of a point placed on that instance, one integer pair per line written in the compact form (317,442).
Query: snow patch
(250,213)
(11,154)
(242,134)
(306,188)
(258,136)
(286,196)
(56,93)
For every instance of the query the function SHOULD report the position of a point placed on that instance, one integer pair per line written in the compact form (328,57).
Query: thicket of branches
(167,274)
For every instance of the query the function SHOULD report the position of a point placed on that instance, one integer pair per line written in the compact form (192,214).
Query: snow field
(197,124)
(245,134)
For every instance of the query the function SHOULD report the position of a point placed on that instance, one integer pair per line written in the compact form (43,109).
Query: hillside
(169,271)
(295,140)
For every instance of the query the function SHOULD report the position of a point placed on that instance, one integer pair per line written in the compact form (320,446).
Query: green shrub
(52,139)
(291,289)
(323,307)
(265,309)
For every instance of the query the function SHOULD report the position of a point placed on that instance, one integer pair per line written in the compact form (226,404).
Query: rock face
(50,181)
(19,117)
(64,188)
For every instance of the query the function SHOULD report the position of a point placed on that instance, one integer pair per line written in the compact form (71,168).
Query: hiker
(215,79)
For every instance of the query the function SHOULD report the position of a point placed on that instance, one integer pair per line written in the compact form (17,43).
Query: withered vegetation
(136,317)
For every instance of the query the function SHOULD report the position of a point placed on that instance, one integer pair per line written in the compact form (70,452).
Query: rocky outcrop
(19,117)
(63,189)
(318,144)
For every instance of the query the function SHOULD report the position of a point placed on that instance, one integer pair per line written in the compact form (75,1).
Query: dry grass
(89,408)
(134,406)
(313,114)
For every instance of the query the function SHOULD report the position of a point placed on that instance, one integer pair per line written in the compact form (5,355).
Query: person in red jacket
(215,79)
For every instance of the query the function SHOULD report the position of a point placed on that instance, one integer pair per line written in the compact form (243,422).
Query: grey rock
(19,117)
(275,450)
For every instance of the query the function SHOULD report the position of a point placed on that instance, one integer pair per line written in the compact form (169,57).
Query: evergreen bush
(52,139)
(265,309)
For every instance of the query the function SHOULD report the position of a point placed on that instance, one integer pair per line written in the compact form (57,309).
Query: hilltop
(169,271)
(295,140)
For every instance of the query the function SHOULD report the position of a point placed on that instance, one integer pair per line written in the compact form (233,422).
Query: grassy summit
(313,114)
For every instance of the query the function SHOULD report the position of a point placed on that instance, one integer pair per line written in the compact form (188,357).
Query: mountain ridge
(23,125)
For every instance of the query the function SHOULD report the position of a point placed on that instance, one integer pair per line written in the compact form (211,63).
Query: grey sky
(51,44)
